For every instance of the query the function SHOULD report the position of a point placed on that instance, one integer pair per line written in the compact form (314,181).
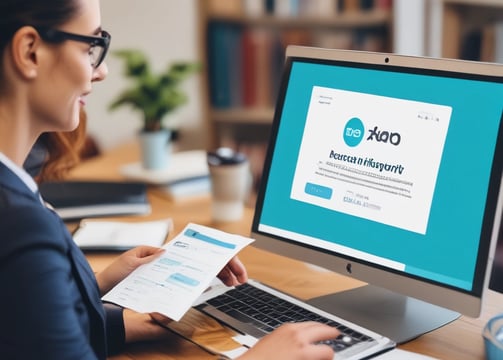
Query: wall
(166,30)
(418,27)
(409,27)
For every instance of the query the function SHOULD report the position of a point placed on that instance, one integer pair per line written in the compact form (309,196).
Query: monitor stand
(398,317)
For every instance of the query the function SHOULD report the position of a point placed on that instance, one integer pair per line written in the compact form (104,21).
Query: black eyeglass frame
(58,36)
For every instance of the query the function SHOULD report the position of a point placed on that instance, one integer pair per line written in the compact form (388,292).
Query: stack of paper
(186,175)
(119,236)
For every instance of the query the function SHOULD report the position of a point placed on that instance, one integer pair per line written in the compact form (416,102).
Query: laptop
(255,310)
(319,147)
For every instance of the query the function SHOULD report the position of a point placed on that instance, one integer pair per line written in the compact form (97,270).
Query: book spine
(366,5)
(263,68)
(224,65)
(270,6)
(351,5)
(249,49)
(319,8)
(234,60)
(383,4)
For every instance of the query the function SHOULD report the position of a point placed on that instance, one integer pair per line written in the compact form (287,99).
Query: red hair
(65,150)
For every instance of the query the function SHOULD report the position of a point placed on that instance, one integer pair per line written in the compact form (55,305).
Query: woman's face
(66,73)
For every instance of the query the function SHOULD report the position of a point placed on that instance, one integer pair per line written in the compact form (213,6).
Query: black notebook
(74,200)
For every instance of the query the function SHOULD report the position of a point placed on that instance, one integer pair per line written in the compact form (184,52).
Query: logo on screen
(353,132)
(378,135)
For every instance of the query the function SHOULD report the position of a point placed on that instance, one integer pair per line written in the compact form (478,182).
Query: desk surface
(459,340)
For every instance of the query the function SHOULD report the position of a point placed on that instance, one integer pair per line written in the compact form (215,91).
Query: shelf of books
(245,49)
(473,30)
(244,42)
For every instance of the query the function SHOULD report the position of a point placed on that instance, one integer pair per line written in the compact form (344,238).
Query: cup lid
(493,337)
(225,156)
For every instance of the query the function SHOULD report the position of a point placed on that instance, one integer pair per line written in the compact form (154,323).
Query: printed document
(172,282)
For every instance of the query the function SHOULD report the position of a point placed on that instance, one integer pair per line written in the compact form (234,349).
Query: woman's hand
(234,273)
(295,341)
(124,265)
(145,327)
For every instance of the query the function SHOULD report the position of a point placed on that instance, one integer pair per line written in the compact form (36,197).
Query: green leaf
(155,95)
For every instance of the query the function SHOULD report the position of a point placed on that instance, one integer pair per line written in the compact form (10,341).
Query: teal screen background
(448,251)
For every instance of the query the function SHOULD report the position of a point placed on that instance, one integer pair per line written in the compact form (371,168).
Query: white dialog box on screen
(371,156)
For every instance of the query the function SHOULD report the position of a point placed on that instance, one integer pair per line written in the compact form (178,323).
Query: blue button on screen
(318,190)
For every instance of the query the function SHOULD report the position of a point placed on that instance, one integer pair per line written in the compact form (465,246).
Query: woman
(51,53)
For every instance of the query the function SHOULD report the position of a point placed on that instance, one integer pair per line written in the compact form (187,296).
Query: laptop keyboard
(265,312)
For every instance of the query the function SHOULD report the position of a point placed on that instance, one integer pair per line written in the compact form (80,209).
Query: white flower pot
(155,149)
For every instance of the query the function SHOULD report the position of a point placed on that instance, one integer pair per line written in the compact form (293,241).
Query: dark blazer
(50,306)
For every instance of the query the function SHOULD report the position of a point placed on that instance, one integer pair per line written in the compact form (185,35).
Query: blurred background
(240,45)
(218,32)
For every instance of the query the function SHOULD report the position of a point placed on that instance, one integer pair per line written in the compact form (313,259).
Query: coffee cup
(230,183)
(493,338)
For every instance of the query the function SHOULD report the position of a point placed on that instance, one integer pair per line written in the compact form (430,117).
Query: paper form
(171,283)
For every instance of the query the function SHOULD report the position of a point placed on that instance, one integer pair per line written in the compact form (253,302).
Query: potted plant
(155,95)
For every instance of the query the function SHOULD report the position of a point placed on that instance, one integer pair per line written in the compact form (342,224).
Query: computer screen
(387,168)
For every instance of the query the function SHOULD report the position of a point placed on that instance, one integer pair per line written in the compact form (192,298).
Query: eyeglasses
(98,44)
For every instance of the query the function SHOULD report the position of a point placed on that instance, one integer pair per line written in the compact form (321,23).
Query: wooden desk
(459,340)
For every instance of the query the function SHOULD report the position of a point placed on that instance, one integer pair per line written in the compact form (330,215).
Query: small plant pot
(155,149)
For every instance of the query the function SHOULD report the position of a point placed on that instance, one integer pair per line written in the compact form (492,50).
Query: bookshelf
(243,44)
(472,30)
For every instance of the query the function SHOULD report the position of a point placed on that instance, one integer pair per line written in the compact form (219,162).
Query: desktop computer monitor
(387,168)
(496,282)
